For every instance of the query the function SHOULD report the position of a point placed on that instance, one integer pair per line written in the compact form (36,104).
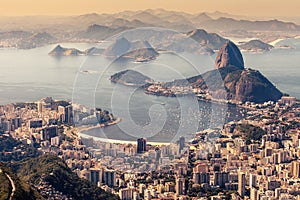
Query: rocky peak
(57,50)
(118,48)
(58,47)
(229,55)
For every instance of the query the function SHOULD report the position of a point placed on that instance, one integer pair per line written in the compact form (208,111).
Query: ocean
(29,75)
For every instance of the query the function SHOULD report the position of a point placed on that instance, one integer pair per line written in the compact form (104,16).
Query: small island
(61,51)
(131,78)
(256,46)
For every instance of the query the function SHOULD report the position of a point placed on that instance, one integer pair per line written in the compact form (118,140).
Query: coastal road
(12,185)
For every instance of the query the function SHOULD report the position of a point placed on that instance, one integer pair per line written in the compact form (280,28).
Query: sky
(273,8)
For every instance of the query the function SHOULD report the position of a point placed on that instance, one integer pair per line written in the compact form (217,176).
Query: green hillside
(23,190)
(57,174)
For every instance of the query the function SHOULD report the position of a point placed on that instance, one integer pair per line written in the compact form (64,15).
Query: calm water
(29,75)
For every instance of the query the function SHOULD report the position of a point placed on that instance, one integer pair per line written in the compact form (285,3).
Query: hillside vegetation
(56,173)
(23,190)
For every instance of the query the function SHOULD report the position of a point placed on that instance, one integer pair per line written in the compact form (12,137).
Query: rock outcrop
(131,78)
(60,51)
(94,51)
(209,40)
(229,55)
(237,85)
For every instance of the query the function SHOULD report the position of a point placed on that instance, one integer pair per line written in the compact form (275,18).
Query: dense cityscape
(256,157)
(150,100)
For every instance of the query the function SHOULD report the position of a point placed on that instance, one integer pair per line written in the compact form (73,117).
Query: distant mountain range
(99,32)
(30,32)
(184,21)
(197,41)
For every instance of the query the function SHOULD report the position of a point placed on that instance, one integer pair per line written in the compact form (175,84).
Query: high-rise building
(169,187)
(295,169)
(126,193)
(40,106)
(253,193)
(6,126)
(181,143)
(16,122)
(220,178)
(49,132)
(141,145)
(109,178)
(201,177)
(35,123)
(69,114)
(252,180)
(180,186)
(157,154)
(241,184)
(66,114)
(282,156)
(95,175)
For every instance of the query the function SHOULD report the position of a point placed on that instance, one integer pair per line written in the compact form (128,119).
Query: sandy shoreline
(89,127)
(276,41)
(273,43)
(118,141)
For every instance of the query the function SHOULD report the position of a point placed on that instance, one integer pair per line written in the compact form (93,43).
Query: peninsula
(229,82)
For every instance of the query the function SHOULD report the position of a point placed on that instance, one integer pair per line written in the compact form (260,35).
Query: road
(12,185)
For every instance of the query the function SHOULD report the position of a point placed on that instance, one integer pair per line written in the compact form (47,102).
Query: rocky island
(61,51)
(131,78)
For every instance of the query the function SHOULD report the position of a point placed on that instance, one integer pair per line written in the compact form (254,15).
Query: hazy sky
(75,7)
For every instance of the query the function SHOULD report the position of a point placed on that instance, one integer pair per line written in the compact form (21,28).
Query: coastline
(273,43)
(84,128)
(89,127)
(118,141)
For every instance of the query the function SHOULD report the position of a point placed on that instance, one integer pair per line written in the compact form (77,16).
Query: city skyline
(257,8)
